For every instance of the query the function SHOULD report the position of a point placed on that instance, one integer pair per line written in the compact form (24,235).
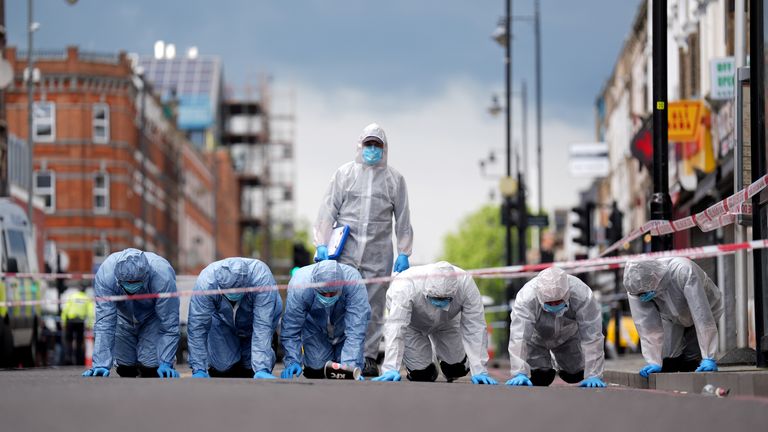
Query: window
(101,193)
(44,121)
(100,123)
(45,188)
(17,249)
(100,253)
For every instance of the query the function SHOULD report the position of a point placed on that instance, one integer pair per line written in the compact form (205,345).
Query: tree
(479,243)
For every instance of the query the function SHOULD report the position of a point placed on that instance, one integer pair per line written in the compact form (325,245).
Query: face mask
(440,303)
(327,301)
(647,296)
(234,297)
(132,287)
(554,309)
(372,155)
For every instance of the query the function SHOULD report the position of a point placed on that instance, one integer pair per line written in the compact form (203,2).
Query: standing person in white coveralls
(555,315)
(675,306)
(435,304)
(365,194)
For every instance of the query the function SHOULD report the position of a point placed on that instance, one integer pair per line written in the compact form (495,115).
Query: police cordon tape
(510,272)
(716,216)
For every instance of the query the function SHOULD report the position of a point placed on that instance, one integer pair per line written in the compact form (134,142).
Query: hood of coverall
(644,276)
(231,273)
(372,131)
(552,285)
(132,265)
(327,271)
(441,281)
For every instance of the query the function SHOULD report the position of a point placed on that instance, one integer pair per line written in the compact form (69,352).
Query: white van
(19,325)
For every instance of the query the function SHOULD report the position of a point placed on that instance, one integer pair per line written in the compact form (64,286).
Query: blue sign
(195,112)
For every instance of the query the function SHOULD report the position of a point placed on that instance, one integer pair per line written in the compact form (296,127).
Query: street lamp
(31,78)
(502,35)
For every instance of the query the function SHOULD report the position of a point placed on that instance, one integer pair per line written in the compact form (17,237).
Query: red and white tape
(511,272)
(718,215)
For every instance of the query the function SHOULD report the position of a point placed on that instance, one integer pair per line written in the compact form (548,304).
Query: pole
(537,38)
(522,210)
(524,97)
(757,99)
(740,232)
(143,150)
(508,96)
(661,204)
(4,180)
(30,115)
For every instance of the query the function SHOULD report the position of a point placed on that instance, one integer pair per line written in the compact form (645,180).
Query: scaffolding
(260,132)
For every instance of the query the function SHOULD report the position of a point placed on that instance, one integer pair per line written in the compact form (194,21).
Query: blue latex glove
(97,371)
(649,369)
(166,370)
(401,264)
(293,370)
(707,365)
(200,374)
(388,376)
(361,378)
(322,253)
(483,378)
(520,379)
(592,382)
(263,375)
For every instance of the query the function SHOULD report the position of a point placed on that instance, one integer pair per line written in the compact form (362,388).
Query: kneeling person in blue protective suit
(675,306)
(328,322)
(556,315)
(230,334)
(139,336)
(435,304)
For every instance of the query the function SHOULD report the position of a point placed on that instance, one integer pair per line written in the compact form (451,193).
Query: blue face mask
(647,296)
(132,287)
(234,297)
(372,155)
(554,309)
(440,303)
(327,301)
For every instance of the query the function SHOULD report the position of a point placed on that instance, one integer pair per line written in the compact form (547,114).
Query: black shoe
(371,369)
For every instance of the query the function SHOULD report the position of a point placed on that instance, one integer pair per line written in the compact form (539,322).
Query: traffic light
(584,224)
(509,212)
(616,220)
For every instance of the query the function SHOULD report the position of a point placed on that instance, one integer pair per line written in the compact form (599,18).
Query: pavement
(739,380)
(58,399)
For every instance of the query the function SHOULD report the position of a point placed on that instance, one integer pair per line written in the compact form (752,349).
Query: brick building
(227,197)
(103,187)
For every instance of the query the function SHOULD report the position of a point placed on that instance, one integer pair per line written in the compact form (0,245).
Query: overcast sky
(424,70)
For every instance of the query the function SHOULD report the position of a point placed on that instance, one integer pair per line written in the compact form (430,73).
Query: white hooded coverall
(685,297)
(574,335)
(414,324)
(366,197)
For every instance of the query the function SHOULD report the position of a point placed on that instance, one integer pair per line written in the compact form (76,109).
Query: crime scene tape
(720,214)
(510,272)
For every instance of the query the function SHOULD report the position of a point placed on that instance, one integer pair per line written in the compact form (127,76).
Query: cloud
(435,143)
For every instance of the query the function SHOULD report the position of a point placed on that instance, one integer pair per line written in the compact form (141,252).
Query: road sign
(589,160)
(538,220)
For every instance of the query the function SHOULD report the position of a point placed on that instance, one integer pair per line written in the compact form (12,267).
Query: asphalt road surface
(47,400)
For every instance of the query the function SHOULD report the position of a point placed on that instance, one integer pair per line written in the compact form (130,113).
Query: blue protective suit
(136,332)
(221,334)
(334,333)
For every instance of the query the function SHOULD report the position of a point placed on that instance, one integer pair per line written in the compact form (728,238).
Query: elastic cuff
(170,365)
